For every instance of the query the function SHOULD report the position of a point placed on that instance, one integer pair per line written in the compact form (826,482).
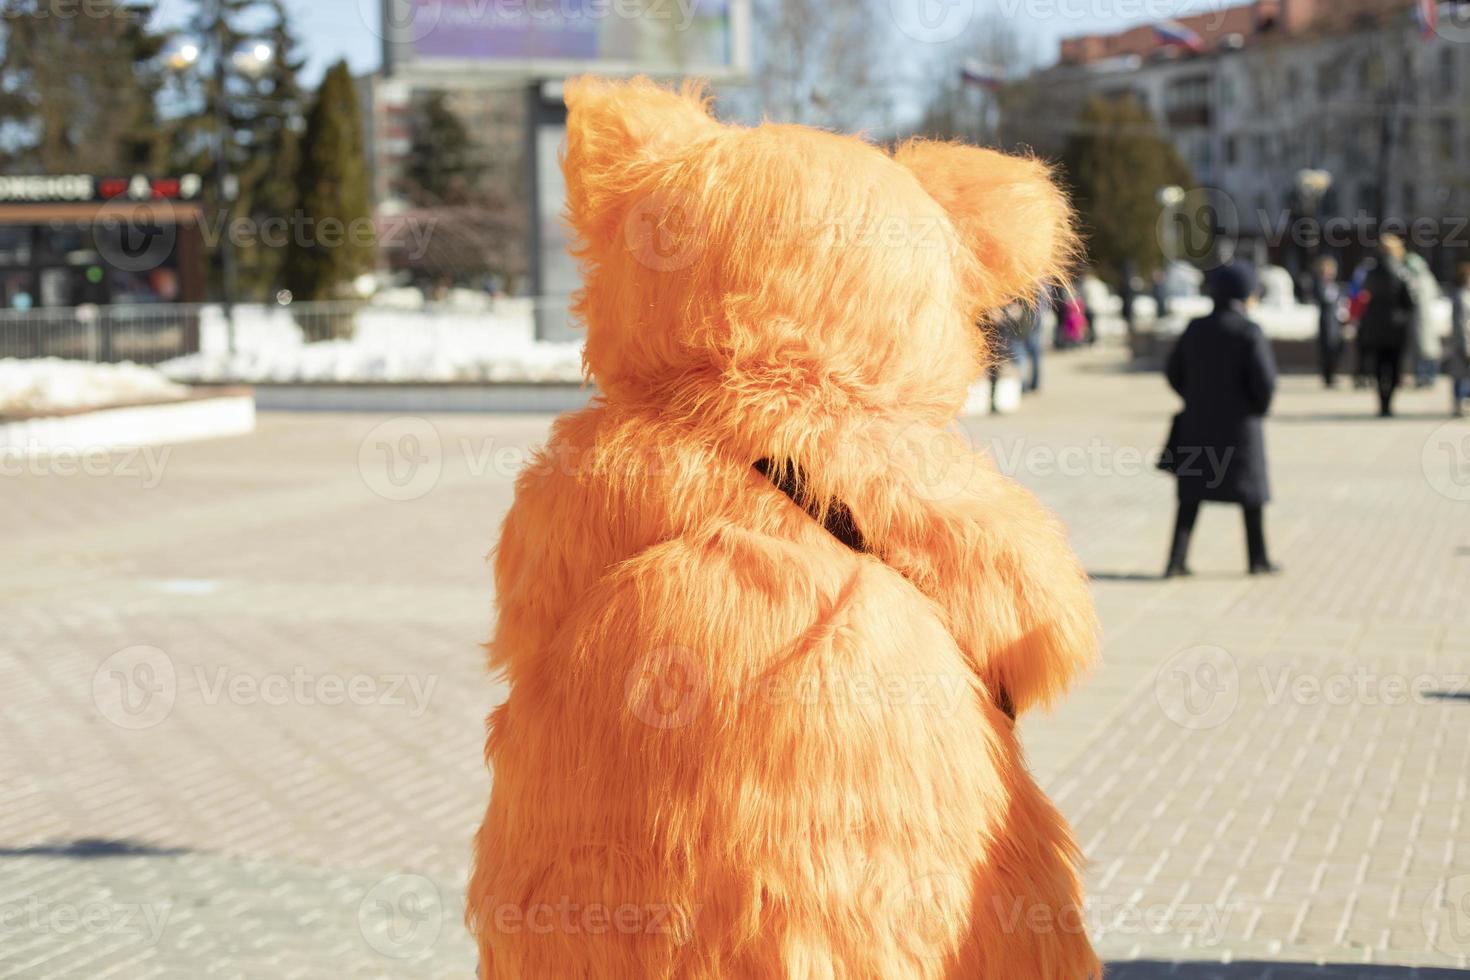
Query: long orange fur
(735,749)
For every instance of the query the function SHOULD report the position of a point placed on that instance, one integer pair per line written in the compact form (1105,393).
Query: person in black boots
(1385,327)
(1223,368)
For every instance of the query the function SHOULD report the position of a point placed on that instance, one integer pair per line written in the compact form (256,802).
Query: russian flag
(1173,32)
(978,73)
(1426,12)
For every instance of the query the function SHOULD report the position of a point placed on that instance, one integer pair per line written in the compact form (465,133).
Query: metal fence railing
(468,338)
(142,334)
(155,333)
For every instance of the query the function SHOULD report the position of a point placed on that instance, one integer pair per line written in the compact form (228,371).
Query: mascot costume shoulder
(766,619)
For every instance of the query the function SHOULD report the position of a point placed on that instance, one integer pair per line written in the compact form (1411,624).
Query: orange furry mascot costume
(763,615)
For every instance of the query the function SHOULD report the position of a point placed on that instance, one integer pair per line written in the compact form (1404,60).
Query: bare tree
(967,108)
(823,63)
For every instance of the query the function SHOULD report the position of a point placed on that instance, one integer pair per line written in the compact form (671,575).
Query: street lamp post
(1311,188)
(250,58)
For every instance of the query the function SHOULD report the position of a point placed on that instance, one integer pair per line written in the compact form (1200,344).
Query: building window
(1329,81)
(1447,139)
(1411,202)
(1232,149)
(1447,80)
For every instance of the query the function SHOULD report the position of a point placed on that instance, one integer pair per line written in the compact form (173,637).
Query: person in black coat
(1223,368)
(1327,296)
(1385,328)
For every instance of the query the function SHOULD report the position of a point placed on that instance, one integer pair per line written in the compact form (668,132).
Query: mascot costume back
(767,620)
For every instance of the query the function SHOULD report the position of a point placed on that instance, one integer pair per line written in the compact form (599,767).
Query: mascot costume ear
(1008,210)
(618,135)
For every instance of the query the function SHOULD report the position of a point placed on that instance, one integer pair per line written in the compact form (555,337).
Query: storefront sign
(84,188)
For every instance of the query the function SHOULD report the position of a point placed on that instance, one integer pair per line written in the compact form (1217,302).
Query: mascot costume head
(766,619)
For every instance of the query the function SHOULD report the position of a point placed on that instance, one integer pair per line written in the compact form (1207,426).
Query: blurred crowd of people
(1387,307)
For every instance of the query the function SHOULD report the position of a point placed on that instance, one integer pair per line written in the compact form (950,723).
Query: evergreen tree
(268,178)
(1117,161)
(468,194)
(263,111)
(443,162)
(332,246)
(78,94)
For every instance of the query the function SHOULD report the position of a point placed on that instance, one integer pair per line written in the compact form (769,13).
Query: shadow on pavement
(1151,970)
(1369,414)
(1449,696)
(89,848)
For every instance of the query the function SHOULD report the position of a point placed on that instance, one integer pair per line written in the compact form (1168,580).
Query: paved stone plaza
(243,700)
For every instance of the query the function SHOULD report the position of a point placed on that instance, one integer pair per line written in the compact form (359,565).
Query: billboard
(548,39)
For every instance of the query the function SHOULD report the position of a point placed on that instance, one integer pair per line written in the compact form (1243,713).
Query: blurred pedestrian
(1328,297)
(1076,320)
(1424,333)
(1026,341)
(1357,305)
(1161,294)
(1127,293)
(1387,319)
(1223,368)
(1459,352)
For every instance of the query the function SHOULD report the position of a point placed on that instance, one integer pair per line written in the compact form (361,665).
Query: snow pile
(37,386)
(387,346)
